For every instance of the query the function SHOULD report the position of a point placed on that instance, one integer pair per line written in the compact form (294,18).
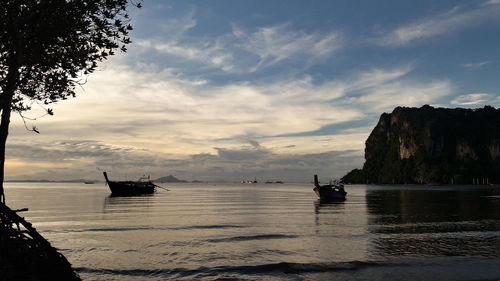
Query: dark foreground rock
(430,145)
(26,255)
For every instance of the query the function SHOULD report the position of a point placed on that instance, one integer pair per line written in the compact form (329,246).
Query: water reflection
(327,214)
(436,221)
(328,207)
(127,203)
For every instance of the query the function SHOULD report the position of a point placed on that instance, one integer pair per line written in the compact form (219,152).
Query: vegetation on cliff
(432,145)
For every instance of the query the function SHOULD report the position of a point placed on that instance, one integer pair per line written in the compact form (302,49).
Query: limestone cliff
(432,145)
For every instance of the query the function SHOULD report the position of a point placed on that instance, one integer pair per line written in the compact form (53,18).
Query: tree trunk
(5,107)
(4,131)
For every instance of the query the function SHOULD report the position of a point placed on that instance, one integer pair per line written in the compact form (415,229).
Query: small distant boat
(89,182)
(269,182)
(142,186)
(330,192)
(250,181)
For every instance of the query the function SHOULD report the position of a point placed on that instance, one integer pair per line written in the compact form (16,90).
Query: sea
(232,231)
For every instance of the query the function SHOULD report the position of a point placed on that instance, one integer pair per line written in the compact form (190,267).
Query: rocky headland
(430,145)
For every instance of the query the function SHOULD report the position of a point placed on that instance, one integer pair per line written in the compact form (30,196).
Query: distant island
(55,181)
(430,145)
(169,178)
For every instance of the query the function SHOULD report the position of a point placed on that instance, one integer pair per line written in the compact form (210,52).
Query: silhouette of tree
(47,47)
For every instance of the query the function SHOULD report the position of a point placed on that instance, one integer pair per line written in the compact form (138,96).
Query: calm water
(269,232)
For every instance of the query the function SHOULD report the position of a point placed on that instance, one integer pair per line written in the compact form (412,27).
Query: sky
(229,90)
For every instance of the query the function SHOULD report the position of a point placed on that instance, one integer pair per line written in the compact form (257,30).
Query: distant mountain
(433,145)
(56,181)
(169,178)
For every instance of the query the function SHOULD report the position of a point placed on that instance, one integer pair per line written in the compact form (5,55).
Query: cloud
(473,99)
(171,114)
(72,159)
(165,113)
(386,97)
(274,44)
(450,21)
(253,143)
(378,90)
(68,151)
(245,51)
(212,55)
(173,27)
(376,77)
(238,155)
(476,64)
(79,159)
(158,121)
(242,163)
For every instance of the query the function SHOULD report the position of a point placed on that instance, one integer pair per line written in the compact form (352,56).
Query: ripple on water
(451,268)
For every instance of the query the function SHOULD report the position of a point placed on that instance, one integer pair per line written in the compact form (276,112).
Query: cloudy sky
(231,90)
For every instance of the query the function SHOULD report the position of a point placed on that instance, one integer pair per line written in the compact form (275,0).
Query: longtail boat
(121,188)
(330,192)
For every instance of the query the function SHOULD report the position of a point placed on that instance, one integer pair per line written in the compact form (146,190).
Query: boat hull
(329,192)
(128,188)
(124,188)
(326,193)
